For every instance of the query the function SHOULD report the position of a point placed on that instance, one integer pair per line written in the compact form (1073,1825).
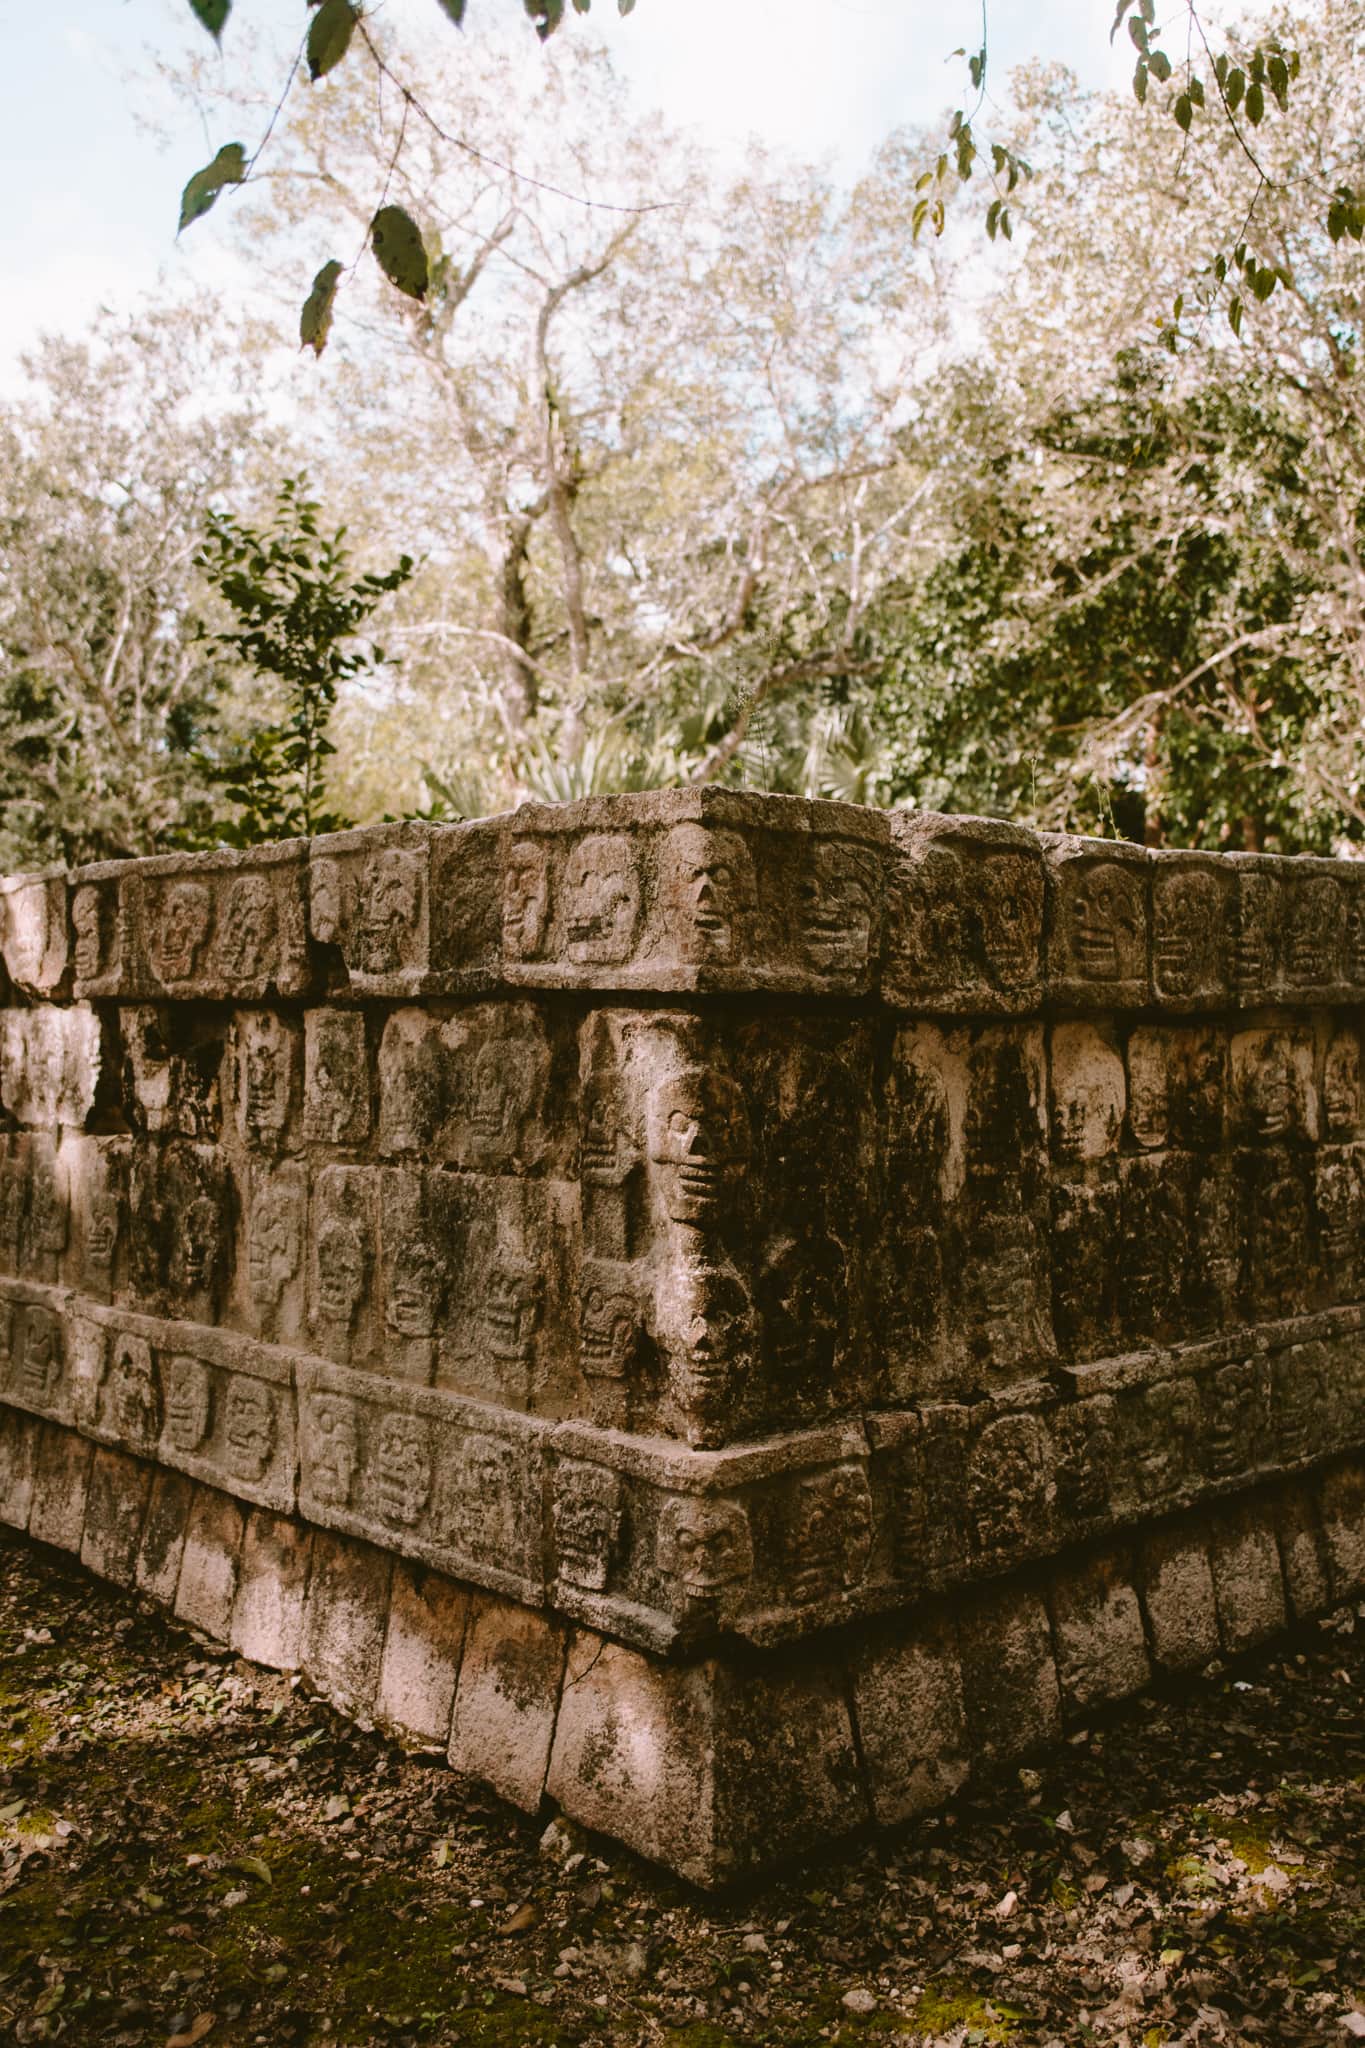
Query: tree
(108,468)
(1152,614)
(1236,88)
(651,461)
(296,621)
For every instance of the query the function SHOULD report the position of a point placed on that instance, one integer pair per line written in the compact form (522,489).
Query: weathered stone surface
(1009,1677)
(736,1228)
(422,1649)
(1248,1583)
(210,1562)
(1097,1625)
(910,1715)
(268,1612)
(1176,1581)
(348,1598)
(118,1529)
(61,1470)
(162,1546)
(507,1698)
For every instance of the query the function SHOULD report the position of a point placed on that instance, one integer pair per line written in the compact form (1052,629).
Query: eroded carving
(601,899)
(588,1517)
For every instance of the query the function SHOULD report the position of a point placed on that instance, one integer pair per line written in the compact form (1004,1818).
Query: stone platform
(721,1310)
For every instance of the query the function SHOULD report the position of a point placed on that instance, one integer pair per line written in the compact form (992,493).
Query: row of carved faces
(116,1385)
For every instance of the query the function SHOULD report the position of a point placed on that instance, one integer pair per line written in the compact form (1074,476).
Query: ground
(191,1849)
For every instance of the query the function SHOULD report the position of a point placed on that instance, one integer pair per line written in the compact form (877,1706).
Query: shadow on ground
(193,1850)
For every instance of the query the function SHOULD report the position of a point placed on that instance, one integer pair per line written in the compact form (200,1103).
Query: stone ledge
(707,891)
(737,1762)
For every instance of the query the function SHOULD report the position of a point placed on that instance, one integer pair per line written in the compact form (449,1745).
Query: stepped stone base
(730,1763)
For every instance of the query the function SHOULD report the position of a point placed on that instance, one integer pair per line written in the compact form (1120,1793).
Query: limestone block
(673,890)
(1097,922)
(99,937)
(910,1716)
(209,1566)
(1009,1677)
(1248,1582)
(1193,929)
(35,1360)
(422,1648)
(268,1613)
(450,1482)
(712,1769)
(182,1203)
(1314,947)
(369,899)
(172,1071)
(1176,1582)
(506,1699)
(1089,1091)
(336,1085)
(222,926)
(265,1080)
(348,1597)
(206,1402)
(1341,1503)
(964,916)
(51,1064)
(98,1169)
(161,1549)
(18,1462)
(1301,1553)
(1097,1623)
(344,1315)
(57,1512)
(119,1530)
(1258,933)
(34,939)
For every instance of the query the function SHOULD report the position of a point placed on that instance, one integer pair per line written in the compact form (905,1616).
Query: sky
(94,195)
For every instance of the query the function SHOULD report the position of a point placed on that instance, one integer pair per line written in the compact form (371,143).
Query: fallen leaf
(252,1866)
(1354,2023)
(195,2031)
(524,1917)
(1006,1905)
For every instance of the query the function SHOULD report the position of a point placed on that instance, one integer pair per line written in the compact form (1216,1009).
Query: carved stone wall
(695,1220)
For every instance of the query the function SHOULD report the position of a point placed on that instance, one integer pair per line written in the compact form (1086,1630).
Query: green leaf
(624,7)
(1140,81)
(1338,216)
(1184,113)
(1236,86)
(315,321)
(330,36)
(227,168)
(1255,105)
(397,244)
(1278,72)
(212,15)
(1235,315)
(1160,65)
(1137,29)
(455,9)
(1195,89)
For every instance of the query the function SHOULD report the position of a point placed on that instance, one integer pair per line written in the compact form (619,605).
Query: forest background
(712,470)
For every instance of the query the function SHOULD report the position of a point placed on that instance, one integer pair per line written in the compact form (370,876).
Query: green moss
(951,2003)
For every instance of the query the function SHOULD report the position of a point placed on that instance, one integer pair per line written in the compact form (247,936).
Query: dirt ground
(193,1850)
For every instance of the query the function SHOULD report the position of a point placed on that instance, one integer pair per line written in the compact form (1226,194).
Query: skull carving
(525,900)
(180,925)
(698,1142)
(601,899)
(708,890)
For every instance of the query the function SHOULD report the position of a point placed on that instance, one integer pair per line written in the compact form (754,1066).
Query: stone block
(1301,1553)
(506,1699)
(1097,922)
(1097,1625)
(1341,1504)
(207,1585)
(220,926)
(1193,929)
(162,1545)
(34,939)
(1176,1581)
(343,1640)
(268,1613)
(910,1716)
(1009,1675)
(57,1513)
(116,1507)
(18,1463)
(712,1768)
(1248,1582)
(964,926)
(422,1647)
